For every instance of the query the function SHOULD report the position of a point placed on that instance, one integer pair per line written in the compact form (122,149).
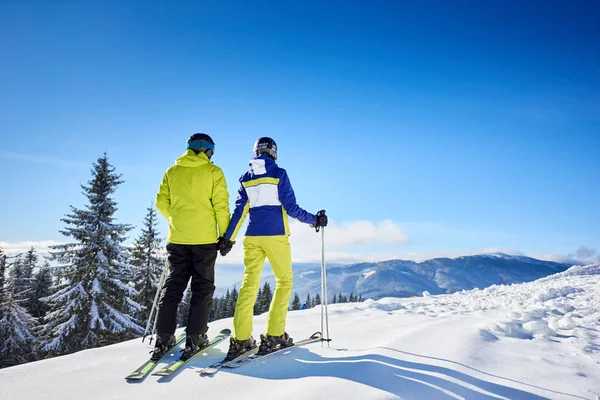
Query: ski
(252,355)
(214,368)
(149,365)
(315,337)
(177,364)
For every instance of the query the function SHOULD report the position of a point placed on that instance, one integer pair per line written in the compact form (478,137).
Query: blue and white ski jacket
(267,195)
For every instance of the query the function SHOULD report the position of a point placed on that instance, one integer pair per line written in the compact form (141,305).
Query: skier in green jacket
(193,197)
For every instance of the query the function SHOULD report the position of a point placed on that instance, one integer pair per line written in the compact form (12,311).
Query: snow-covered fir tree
(308,301)
(2,280)
(148,261)
(41,287)
(257,303)
(234,297)
(16,327)
(96,306)
(20,275)
(317,300)
(29,263)
(227,306)
(296,302)
(264,301)
(216,309)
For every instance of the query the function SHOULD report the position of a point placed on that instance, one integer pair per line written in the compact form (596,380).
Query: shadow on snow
(399,377)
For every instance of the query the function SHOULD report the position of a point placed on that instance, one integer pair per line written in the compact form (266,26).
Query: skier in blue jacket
(265,194)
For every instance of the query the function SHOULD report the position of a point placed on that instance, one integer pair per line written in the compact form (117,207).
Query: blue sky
(468,125)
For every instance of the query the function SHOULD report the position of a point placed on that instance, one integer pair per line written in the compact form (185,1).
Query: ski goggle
(205,147)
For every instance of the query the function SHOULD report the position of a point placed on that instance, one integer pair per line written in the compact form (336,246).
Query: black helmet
(266,145)
(201,142)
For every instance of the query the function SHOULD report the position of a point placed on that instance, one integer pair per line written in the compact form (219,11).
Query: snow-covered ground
(524,341)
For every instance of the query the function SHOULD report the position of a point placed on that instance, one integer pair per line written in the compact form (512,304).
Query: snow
(369,273)
(535,340)
(401,278)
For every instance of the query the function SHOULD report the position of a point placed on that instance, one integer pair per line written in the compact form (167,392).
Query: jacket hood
(261,165)
(191,159)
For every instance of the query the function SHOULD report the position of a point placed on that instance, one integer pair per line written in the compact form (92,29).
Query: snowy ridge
(401,278)
(536,340)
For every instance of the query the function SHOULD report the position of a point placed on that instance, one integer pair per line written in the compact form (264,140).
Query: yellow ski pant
(256,249)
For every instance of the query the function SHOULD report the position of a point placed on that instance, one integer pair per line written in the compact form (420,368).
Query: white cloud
(351,242)
(351,233)
(582,256)
(343,241)
(21,247)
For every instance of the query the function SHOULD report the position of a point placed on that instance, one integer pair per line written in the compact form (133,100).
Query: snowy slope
(400,278)
(524,341)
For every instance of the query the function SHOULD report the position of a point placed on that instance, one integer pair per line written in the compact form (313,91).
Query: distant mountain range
(401,278)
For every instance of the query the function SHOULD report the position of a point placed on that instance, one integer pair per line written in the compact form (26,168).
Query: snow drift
(533,340)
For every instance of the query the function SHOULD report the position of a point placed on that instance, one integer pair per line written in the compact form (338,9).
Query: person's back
(193,197)
(266,194)
(269,199)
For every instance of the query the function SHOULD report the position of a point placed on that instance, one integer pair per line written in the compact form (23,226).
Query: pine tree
(351,298)
(308,301)
(29,263)
(257,303)
(234,296)
(219,308)
(296,302)
(20,277)
(2,281)
(16,326)
(317,300)
(41,287)
(95,307)
(266,297)
(335,300)
(227,309)
(148,264)
(230,302)
(212,316)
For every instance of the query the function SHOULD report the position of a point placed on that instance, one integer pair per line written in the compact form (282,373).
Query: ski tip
(316,335)
(225,332)
(208,371)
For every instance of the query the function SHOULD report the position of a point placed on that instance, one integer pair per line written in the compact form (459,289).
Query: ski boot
(193,343)
(164,342)
(269,344)
(237,347)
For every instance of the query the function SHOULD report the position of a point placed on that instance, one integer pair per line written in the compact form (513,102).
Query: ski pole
(324,289)
(161,282)
(322,295)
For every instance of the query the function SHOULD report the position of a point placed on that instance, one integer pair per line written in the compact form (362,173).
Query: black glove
(224,245)
(321,220)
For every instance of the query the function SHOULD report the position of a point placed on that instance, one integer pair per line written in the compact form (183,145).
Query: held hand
(321,220)
(224,246)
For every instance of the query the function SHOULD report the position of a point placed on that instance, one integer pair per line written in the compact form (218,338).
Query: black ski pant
(188,260)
